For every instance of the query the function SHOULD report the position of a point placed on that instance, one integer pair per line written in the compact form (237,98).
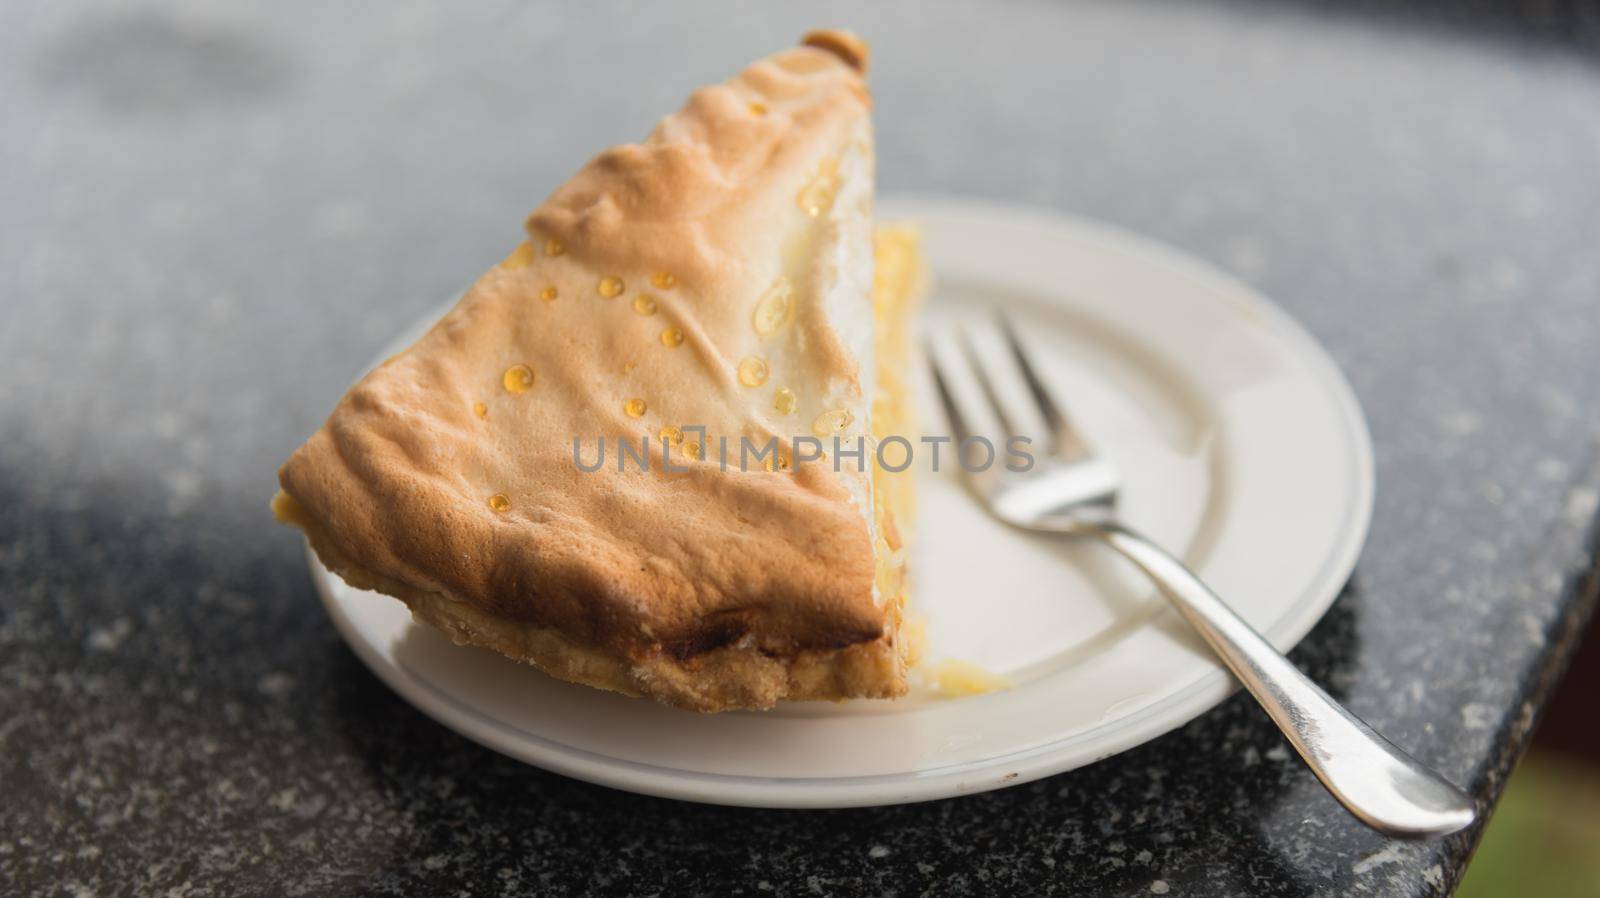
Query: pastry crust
(446,482)
(737,676)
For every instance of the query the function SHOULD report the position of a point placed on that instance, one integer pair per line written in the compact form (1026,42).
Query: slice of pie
(715,282)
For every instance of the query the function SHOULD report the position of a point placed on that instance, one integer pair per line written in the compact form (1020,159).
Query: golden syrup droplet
(774,309)
(692,450)
(672,338)
(664,280)
(480,410)
(553,247)
(758,108)
(499,502)
(753,371)
(518,379)
(548,294)
(644,304)
(610,287)
(816,198)
(784,401)
(782,460)
(521,257)
(635,407)
(627,367)
(672,434)
(829,423)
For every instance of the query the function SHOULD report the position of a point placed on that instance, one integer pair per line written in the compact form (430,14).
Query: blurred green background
(1544,838)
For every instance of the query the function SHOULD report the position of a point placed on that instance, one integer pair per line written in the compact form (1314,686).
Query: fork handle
(1382,785)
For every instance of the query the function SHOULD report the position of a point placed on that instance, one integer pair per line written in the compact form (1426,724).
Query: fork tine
(947,396)
(1008,423)
(1068,442)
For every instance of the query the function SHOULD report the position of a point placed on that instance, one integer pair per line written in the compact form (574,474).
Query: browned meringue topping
(704,210)
(844,44)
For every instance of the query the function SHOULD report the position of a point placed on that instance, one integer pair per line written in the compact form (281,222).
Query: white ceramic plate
(1243,448)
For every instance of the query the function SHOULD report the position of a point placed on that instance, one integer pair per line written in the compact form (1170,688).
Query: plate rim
(970,777)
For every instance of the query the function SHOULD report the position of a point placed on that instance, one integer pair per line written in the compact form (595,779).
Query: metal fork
(1072,490)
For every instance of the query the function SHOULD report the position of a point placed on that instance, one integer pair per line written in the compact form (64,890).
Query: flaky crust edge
(723,679)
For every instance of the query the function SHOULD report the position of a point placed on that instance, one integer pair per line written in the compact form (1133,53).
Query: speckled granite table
(209,217)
